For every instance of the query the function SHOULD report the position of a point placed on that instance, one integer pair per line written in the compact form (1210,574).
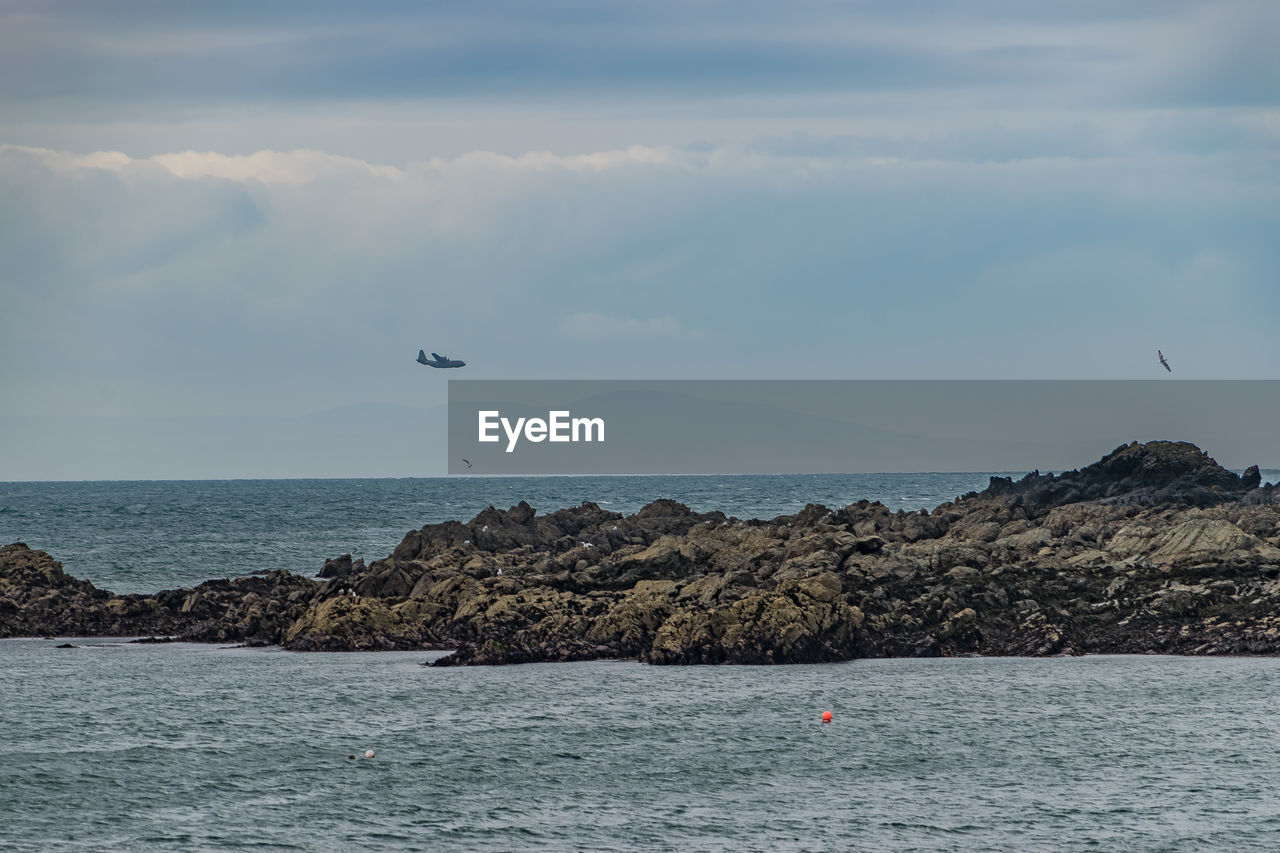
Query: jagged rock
(1172,472)
(629,624)
(1152,548)
(357,624)
(1197,537)
(805,621)
(340,567)
(37,598)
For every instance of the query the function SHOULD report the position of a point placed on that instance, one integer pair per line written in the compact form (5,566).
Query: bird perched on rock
(1160,355)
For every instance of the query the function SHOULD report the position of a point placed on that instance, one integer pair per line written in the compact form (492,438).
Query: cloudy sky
(240,212)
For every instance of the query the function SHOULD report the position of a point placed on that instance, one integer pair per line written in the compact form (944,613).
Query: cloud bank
(225,211)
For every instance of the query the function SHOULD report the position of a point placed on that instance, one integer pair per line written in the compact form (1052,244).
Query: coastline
(1154,548)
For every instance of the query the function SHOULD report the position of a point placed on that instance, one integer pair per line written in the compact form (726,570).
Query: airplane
(1160,355)
(440,360)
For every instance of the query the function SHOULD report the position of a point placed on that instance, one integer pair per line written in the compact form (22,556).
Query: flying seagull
(468,461)
(1162,361)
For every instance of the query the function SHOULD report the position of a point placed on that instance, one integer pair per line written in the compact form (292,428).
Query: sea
(113,745)
(145,536)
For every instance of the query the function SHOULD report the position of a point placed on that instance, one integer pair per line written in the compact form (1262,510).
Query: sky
(258,213)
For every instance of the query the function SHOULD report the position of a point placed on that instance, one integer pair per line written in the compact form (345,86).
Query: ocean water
(186,747)
(145,536)
(119,746)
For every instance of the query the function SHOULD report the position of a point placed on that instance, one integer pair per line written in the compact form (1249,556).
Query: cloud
(220,209)
(270,167)
(278,282)
(592,326)
(65,161)
(597,161)
(161,54)
(303,166)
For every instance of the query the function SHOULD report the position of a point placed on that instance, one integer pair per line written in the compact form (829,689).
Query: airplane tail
(422,357)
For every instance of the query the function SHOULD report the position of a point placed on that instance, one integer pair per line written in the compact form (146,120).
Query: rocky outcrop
(340,567)
(35,593)
(37,598)
(344,624)
(801,621)
(1157,472)
(1152,548)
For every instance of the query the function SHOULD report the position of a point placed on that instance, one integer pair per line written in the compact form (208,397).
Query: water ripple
(184,746)
(146,536)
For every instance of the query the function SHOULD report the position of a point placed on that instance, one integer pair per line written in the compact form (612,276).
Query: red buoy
(826,716)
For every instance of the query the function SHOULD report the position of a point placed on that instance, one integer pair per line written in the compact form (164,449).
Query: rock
(1197,537)
(629,624)
(957,623)
(869,545)
(1175,601)
(37,598)
(522,513)
(1135,473)
(1033,538)
(1154,548)
(359,624)
(338,567)
(803,623)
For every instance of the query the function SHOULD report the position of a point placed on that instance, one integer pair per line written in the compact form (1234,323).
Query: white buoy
(368,753)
